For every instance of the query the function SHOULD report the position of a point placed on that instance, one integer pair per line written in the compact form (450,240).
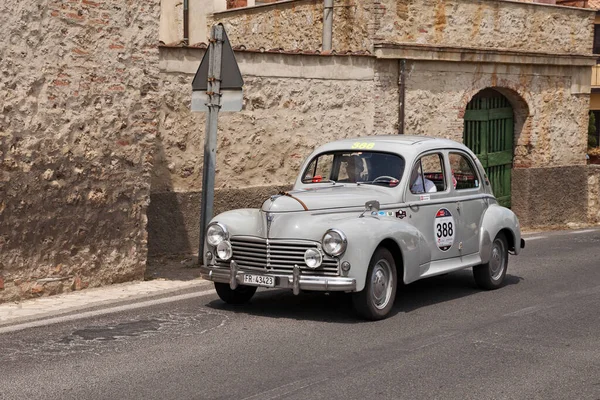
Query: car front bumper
(296,281)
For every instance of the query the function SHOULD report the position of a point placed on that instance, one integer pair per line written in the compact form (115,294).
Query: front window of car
(363,167)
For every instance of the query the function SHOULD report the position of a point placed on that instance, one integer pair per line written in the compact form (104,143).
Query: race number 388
(444,229)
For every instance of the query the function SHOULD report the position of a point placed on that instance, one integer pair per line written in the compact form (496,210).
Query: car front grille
(277,256)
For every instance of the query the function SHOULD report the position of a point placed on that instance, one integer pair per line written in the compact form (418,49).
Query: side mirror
(371,206)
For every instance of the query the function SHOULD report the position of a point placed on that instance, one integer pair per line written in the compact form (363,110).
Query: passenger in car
(420,184)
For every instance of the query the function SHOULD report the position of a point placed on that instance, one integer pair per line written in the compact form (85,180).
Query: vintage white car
(363,214)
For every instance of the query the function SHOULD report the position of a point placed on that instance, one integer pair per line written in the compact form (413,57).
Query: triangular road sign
(231,78)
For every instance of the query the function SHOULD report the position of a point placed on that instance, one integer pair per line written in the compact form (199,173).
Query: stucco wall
(292,104)
(492,24)
(77,122)
(497,24)
(553,118)
(594,194)
(298,25)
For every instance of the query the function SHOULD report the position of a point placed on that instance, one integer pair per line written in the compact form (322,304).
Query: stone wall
(298,24)
(549,178)
(496,24)
(551,116)
(550,197)
(77,124)
(594,194)
(490,24)
(292,104)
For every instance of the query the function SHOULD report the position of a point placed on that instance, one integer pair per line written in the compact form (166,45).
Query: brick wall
(77,126)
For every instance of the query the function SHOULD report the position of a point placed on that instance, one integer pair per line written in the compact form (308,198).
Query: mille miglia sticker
(444,229)
(401,214)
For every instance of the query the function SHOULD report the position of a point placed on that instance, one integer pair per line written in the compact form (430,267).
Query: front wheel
(241,294)
(491,275)
(376,300)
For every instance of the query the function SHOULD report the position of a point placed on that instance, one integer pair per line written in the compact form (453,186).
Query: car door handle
(458,207)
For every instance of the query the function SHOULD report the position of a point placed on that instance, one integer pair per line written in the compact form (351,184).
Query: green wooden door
(488,132)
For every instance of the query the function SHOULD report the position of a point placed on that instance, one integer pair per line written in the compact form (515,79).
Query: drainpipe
(327,24)
(402,91)
(186,33)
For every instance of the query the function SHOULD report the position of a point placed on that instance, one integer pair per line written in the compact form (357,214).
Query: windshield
(365,167)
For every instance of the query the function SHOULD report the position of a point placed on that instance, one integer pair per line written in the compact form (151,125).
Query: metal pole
(402,84)
(327,25)
(186,33)
(215,50)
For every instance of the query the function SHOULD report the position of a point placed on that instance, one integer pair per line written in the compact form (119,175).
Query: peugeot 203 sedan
(365,214)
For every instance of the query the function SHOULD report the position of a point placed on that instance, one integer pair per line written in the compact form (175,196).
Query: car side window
(319,169)
(463,172)
(428,175)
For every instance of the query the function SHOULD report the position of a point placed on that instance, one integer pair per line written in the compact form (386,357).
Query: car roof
(404,144)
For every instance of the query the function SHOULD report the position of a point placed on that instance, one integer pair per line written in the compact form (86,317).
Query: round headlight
(334,242)
(215,234)
(224,251)
(313,258)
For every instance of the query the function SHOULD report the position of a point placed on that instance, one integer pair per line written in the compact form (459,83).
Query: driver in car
(354,169)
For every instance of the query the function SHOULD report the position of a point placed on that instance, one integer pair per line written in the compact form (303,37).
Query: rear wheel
(241,294)
(491,275)
(376,300)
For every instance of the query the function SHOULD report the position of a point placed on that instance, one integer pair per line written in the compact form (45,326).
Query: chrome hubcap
(381,285)
(497,261)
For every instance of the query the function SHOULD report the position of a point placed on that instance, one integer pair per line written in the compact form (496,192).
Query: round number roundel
(444,229)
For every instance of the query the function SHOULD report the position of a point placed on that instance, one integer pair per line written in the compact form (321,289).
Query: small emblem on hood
(270,218)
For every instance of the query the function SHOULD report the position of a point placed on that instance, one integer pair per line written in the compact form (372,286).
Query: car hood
(338,196)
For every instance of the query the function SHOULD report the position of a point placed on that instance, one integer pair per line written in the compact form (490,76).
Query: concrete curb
(95,298)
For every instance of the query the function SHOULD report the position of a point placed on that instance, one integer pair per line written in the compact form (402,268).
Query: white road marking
(525,311)
(583,231)
(534,238)
(112,310)
(286,389)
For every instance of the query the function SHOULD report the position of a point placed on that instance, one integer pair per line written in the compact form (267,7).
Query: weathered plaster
(283,118)
(298,25)
(494,24)
(594,194)
(551,120)
(358,26)
(77,125)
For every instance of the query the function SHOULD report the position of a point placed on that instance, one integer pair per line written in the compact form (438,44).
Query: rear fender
(496,219)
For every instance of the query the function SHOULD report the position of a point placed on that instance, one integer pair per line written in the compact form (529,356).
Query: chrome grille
(277,256)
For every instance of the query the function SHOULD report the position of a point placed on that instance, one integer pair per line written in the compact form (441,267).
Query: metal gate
(488,132)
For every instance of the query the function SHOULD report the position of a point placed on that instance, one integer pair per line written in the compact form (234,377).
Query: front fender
(366,234)
(495,219)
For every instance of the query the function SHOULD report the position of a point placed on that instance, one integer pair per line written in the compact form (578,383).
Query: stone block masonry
(78,118)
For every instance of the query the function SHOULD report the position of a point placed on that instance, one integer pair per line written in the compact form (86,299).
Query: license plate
(259,280)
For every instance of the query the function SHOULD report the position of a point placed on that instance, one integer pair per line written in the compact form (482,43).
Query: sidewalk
(164,277)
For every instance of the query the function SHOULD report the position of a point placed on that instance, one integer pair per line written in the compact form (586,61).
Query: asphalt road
(536,338)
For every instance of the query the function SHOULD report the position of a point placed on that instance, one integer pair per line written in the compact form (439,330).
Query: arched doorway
(489,133)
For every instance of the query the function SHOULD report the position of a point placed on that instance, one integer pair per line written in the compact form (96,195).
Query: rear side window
(463,172)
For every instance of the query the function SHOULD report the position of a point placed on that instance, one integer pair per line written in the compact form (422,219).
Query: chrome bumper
(296,281)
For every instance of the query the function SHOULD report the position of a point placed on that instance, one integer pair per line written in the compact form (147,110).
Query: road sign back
(231,78)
